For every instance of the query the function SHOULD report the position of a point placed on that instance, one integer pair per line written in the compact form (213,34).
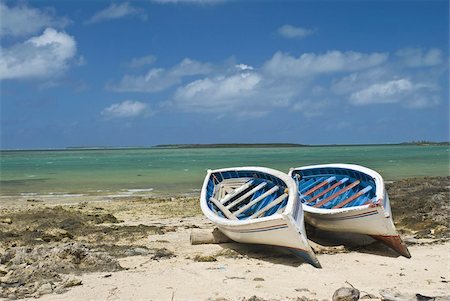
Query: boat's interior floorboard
(245,194)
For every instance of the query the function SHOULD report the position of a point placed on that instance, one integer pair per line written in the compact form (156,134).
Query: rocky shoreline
(46,249)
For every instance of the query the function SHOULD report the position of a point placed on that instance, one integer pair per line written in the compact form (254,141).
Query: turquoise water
(179,171)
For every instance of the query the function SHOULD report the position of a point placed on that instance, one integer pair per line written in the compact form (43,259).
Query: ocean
(166,172)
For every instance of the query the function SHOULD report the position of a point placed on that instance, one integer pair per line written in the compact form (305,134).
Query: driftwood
(215,236)
(208,236)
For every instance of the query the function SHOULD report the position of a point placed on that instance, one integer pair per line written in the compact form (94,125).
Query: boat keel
(307,257)
(394,242)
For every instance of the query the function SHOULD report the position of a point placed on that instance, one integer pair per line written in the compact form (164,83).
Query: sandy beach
(139,249)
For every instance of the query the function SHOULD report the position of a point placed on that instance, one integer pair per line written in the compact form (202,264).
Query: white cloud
(117,11)
(292,32)
(126,109)
(158,79)
(221,93)
(386,92)
(46,55)
(244,67)
(312,84)
(22,20)
(142,61)
(311,64)
(414,57)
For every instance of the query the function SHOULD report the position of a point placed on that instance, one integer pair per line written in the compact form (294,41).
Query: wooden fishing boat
(347,198)
(257,205)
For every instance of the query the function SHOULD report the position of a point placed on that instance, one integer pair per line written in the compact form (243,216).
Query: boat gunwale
(292,198)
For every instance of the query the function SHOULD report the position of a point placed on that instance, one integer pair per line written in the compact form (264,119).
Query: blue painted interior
(258,178)
(307,179)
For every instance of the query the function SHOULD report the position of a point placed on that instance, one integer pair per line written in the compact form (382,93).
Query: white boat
(257,205)
(347,198)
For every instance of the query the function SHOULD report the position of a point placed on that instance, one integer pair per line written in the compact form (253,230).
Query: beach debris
(137,251)
(204,258)
(346,294)
(34,201)
(394,295)
(208,236)
(320,249)
(6,220)
(369,296)
(162,253)
(258,279)
(40,270)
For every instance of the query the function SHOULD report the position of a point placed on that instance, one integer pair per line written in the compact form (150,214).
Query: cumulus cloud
(311,64)
(126,109)
(117,11)
(292,32)
(414,57)
(221,93)
(46,55)
(158,79)
(410,94)
(312,84)
(382,93)
(22,20)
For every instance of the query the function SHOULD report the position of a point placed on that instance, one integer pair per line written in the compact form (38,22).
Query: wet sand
(139,249)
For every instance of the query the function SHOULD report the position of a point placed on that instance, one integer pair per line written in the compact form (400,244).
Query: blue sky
(111,73)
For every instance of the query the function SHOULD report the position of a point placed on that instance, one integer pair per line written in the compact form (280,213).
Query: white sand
(284,277)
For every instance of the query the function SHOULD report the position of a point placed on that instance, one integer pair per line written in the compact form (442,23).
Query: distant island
(230,145)
(263,145)
(424,142)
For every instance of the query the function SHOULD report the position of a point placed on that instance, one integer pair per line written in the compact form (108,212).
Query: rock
(394,295)
(136,251)
(162,253)
(258,279)
(204,258)
(72,282)
(6,220)
(44,290)
(346,294)
(441,229)
(56,234)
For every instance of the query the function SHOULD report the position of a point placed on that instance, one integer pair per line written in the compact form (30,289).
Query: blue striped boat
(257,205)
(347,198)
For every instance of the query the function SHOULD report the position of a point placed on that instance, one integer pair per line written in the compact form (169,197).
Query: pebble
(346,294)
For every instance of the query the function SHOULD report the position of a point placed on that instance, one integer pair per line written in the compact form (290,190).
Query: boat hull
(374,219)
(277,232)
(284,229)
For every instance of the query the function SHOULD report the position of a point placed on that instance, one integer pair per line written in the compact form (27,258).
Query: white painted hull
(371,219)
(285,229)
(362,220)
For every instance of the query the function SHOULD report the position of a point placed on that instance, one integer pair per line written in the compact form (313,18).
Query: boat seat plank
(236,192)
(258,199)
(353,197)
(310,183)
(340,182)
(323,202)
(280,199)
(222,208)
(246,195)
(326,182)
